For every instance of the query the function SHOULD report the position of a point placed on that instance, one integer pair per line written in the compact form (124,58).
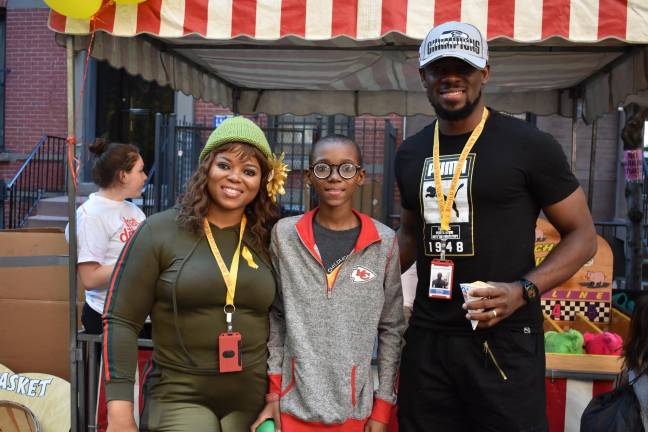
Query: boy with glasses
(338,286)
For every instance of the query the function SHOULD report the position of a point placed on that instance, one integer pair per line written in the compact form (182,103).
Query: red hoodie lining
(368,236)
(368,232)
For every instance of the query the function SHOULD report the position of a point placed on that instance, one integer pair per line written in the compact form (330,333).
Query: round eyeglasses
(347,170)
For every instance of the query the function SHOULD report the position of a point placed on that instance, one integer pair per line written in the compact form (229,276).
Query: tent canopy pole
(72,246)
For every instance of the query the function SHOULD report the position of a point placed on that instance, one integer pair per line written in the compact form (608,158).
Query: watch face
(532,292)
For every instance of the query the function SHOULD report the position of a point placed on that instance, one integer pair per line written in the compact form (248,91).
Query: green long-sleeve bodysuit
(171,274)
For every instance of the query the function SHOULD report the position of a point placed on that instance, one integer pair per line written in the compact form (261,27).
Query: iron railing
(42,172)
(177,147)
(377,141)
(294,136)
(148,193)
(179,144)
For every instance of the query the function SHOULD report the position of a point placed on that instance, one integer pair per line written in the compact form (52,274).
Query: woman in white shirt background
(106,221)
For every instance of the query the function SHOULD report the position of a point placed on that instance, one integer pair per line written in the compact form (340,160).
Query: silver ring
(494,313)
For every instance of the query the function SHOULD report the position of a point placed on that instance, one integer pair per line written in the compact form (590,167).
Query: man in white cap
(472,186)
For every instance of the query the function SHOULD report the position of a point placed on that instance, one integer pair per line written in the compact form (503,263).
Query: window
(126,108)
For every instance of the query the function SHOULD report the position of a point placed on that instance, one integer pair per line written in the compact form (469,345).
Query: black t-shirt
(334,246)
(512,172)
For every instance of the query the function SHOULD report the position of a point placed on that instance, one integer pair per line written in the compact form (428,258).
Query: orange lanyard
(229,276)
(445,205)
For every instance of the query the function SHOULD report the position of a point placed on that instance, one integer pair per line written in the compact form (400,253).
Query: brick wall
(204,111)
(35,89)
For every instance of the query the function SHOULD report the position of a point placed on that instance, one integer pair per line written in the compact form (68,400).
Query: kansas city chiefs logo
(362,275)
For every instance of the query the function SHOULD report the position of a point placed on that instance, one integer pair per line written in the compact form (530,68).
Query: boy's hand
(270,411)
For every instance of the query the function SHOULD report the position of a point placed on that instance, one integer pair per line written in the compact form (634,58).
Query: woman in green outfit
(201,270)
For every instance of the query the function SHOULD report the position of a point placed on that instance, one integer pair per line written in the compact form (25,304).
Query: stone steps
(53,212)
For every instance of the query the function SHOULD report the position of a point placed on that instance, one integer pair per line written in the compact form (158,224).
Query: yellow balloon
(80,9)
(124,2)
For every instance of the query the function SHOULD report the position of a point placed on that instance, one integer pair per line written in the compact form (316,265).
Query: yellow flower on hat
(278,175)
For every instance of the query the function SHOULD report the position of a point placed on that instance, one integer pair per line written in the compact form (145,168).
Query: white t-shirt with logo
(103,228)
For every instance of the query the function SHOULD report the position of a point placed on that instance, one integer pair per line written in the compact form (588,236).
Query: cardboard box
(34,307)
(34,336)
(36,242)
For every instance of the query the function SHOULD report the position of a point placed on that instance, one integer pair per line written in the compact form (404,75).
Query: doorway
(126,107)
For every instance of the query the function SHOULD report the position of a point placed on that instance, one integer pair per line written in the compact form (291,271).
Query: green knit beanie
(240,130)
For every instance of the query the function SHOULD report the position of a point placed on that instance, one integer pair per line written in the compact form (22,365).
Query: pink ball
(606,343)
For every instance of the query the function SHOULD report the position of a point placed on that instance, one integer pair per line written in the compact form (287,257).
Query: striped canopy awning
(360,56)
(519,20)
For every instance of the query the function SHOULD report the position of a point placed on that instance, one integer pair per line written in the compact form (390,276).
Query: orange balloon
(80,9)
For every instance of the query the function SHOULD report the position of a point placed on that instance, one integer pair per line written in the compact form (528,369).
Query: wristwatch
(530,291)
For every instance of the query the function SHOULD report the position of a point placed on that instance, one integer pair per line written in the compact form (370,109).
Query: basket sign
(44,396)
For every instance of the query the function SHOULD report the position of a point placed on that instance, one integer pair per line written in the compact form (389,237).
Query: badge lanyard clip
(443,250)
(228,317)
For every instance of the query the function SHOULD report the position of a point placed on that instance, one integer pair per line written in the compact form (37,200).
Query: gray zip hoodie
(322,331)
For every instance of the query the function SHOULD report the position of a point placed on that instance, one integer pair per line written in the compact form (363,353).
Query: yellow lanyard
(445,205)
(229,276)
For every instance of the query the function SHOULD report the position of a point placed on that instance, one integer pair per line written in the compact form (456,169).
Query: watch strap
(530,291)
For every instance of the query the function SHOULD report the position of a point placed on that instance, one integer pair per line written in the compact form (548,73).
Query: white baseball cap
(454,39)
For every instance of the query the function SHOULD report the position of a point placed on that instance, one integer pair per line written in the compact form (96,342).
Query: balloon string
(74,165)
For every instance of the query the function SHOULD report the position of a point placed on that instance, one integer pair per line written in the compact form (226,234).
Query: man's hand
(375,426)
(498,302)
(120,417)
(270,411)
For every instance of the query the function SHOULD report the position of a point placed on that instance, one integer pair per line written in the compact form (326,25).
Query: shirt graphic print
(460,237)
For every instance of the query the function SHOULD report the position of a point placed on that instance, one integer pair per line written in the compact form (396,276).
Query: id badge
(229,356)
(441,278)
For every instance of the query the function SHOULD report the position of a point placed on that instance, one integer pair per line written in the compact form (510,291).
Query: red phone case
(229,356)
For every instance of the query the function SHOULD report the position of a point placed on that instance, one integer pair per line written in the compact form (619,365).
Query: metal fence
(148,194)
(178,146)
(615,233)
(42,172)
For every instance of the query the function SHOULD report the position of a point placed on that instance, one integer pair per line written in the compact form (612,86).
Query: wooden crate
(588,363)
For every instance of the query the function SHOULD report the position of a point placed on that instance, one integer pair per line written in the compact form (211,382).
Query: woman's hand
(120,417)
(270,411)
(375,426)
